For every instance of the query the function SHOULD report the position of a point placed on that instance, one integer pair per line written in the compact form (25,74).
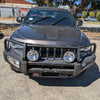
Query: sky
(30,1)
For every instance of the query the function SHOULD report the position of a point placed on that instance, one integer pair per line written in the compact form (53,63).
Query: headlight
(69,56)
(33,55)
(15,46)
(86,49)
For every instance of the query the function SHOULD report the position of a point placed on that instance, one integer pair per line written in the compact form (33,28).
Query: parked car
(49,44)
(91,19)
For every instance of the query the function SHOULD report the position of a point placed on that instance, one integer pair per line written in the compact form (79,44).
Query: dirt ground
(5,18)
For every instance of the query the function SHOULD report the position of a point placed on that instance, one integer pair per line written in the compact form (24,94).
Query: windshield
(49,17)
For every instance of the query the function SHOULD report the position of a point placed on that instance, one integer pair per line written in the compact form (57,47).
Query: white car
(94,19)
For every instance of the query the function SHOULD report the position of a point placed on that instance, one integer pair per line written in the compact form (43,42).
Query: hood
(49,35)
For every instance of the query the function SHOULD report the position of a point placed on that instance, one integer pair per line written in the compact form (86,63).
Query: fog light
(16,62)
(13,61)
(33,55)
(69,56)
(83,65)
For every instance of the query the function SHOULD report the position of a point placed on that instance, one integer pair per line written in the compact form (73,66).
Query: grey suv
(49,44)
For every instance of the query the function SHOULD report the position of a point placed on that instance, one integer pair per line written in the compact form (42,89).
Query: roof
(51,8)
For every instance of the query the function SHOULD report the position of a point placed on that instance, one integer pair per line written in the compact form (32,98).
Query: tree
(39,2)
(53,3)
(92,14)
(84,14)
(95,4)
(98,15)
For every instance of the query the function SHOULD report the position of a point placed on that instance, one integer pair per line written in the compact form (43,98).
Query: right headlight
(69,56)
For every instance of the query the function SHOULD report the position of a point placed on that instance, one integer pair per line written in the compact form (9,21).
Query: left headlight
(86,49)
(69,56)
(15,46)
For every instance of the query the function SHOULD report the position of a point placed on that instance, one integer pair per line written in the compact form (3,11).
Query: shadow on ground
(84,79)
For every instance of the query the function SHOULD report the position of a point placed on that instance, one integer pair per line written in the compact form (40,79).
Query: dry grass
(6,18)
(91,34)
(90,22)
(7,29)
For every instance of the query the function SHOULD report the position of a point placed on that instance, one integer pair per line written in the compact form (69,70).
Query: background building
(17,3)
(7,11)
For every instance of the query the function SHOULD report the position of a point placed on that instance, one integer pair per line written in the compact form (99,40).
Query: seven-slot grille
(50,53)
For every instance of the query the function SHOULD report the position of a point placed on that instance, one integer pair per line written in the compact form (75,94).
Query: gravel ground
(16,86)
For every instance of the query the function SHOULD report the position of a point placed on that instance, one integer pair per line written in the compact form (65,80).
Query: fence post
(12,12)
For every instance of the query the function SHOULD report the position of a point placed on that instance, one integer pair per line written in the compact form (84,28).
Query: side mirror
(19,19)
(79,22)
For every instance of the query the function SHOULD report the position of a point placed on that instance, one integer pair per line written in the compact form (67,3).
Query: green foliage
(84,14)
(98,15)
(92,14)
(39,2)
(53,3)
(83,3)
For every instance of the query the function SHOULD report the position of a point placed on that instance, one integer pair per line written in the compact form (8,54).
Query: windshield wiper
(59,21)
(40,20)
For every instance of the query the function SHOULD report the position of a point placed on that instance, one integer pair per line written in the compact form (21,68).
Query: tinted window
(53,16)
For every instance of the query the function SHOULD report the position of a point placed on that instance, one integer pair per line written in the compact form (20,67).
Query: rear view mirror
(19,19)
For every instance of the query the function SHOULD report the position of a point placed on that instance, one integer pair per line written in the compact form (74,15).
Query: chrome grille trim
(54,53)
(47,52)
(61,56)
(40,51)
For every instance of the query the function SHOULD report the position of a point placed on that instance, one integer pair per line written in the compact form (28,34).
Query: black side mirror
(79,22)
(19,19)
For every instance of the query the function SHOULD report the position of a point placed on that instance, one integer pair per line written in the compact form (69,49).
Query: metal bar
(24,52)
(74,51)
(10,40)
(5,45)
(12,12)
(61,53)
(55,46)
(78,53)
(40,51)
(94,50)
(54,53)
(33,48)
(47,52)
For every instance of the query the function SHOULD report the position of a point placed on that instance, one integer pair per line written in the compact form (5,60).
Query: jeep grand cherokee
(49,44)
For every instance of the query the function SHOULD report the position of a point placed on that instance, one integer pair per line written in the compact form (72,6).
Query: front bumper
(55,69)
(47,68)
